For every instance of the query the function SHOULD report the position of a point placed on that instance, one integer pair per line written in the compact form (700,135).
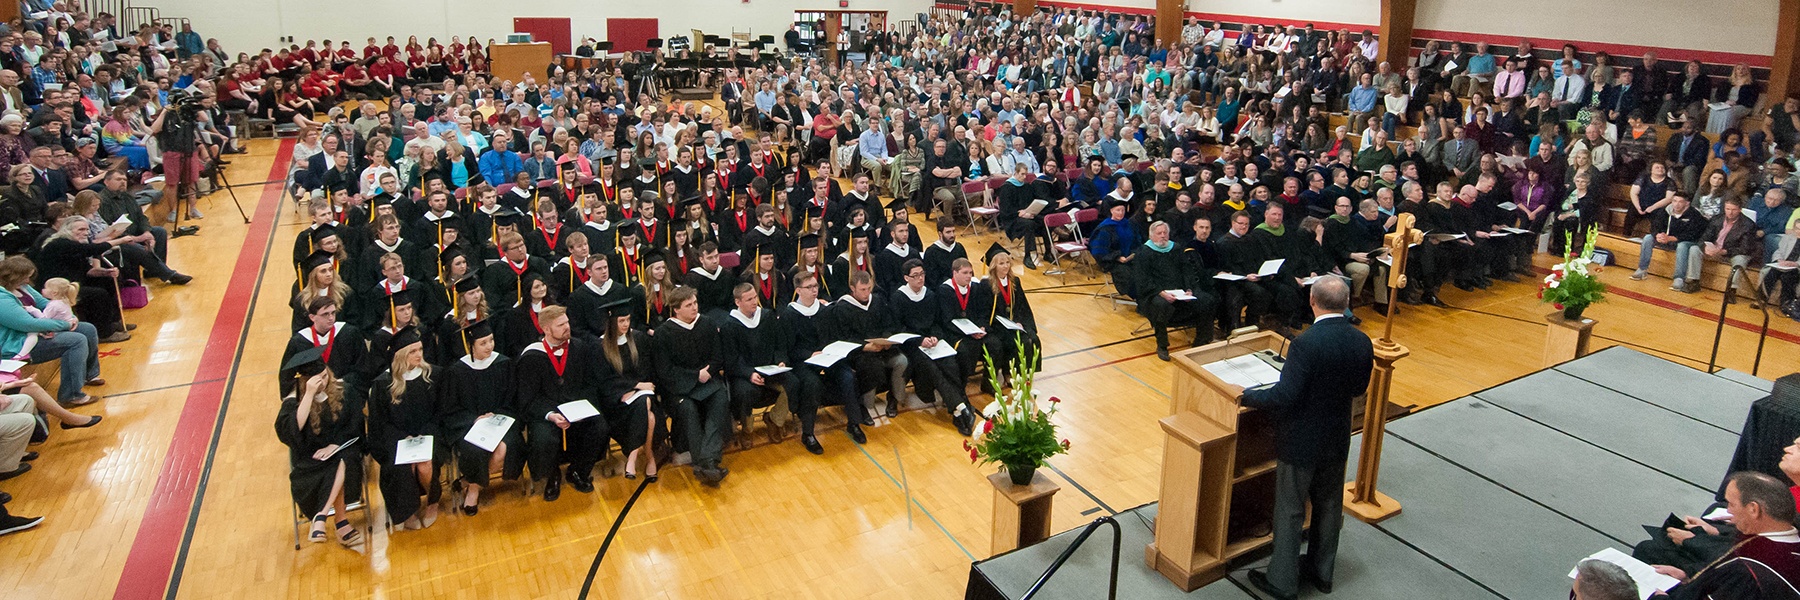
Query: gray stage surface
(1503,490)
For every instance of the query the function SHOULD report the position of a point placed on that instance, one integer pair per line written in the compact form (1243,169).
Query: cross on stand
(1361,499)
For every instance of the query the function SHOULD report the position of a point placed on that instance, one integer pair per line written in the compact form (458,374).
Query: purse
(133,295)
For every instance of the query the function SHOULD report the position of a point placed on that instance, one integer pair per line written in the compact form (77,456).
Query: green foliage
(1019,432)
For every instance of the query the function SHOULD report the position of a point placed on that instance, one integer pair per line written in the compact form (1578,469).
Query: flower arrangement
(1574,283)
(1017,433)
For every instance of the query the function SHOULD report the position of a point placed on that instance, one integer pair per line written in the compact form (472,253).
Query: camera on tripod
(184,102)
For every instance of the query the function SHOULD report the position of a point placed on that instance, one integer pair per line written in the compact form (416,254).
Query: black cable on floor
(595,568)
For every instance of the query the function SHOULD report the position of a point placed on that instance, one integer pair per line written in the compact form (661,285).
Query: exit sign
(843,3)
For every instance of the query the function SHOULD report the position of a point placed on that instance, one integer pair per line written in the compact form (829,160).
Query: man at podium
(1327,367)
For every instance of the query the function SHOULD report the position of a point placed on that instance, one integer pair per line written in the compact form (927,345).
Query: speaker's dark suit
(1327,367)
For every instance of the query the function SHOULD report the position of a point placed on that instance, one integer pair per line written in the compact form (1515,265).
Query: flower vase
(1572,312)
(1021,474)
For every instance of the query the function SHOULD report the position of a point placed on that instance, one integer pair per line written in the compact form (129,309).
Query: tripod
(185,170)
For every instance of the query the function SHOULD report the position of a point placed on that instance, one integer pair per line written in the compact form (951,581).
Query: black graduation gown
(602,236)
(566,277)
(775,290)
(938,260)
(541,390)
(890,265)
(847,322)
(365,267)
(517,328)
(714,293)
(586,314)
(778,238)
(547,245)
(1015,307)
(416,413)
(310,480)
(501,280)
(429,228)
(344,351)
(941,378)
(377,358)
(471,391)
(837,275)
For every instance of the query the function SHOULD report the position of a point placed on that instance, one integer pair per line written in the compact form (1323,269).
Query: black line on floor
(164,388)
(212,447)
(1585,441)
(1437,560)
(1083,489)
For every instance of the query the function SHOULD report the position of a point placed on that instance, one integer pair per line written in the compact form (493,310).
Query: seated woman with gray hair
(68,253)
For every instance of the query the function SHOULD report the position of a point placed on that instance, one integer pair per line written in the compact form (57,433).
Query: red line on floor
(1696,312)
(152,556)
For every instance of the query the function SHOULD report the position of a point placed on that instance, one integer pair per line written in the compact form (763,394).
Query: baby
(61,293)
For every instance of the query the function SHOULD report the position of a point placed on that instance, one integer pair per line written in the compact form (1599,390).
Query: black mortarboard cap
(314,261)
(405,337)
(308,362)
(509,217)
(401,298)
(477,330)
(809,239)
(994,249)
(467,284)
(618,308)
(319,234)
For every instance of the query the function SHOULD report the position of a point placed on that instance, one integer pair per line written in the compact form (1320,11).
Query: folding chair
(526,484)
(1075,247)
(979,204)
(730,260)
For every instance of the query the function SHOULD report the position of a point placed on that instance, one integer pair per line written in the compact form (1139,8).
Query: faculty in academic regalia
(403,405)
(1160,272)
(691,373)
(479,385)
(555,371)
(324,332)
(324,476)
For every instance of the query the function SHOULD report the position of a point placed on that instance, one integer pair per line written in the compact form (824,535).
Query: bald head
(1330,295)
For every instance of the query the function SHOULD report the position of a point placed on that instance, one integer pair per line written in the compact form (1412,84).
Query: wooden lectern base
(1378,509)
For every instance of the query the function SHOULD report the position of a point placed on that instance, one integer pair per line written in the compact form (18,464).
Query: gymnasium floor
(184,487)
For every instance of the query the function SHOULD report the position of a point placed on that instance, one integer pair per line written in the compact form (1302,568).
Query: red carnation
(1558,305)
(1055,400)
(973,455)
(966,445)
(1065,444)
(987,427)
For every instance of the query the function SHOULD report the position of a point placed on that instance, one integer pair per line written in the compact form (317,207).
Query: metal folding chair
(368,527)
(1076,246)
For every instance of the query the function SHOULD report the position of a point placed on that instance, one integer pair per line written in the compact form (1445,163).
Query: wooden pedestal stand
(1021,512)
(1566,340)
(1361,499)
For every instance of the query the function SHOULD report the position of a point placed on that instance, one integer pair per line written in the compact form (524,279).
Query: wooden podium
(1566,340)
(1218,476)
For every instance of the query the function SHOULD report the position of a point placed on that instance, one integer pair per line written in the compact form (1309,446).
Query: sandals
(318,529)
(348,540)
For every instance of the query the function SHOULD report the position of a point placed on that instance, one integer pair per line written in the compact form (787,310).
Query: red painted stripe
(1691,311)
(152,557)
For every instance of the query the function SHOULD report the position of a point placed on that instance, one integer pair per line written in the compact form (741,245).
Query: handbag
(133,295)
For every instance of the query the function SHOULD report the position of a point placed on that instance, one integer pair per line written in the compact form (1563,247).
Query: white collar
(900,251)
(1323,317)
(916,297)
(469,359)
(684,169)
(602,224)
(599,289)
(807,310)
(1791,536)
(429,216)
(488,210)
(312,336)
(413,374)
(520,192)
(770,230)
(384,246)
(570,260)
(750,322)
(684,324)
(940,244)
(852,300)
(713,276)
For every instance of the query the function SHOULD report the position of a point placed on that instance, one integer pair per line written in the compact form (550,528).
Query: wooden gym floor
(185,481)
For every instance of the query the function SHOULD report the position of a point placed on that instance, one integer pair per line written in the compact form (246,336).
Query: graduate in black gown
(325,475)
(404,404)
(761,272)
(504,281)
(586,305)
(476,386)
(753,340)
(654,293)
(691,372)
(941,253)
(469,305)
(340,343)
(917,311)
(1005,299)
(712,283)
(319,279)
(523,325)
(802,319)
(555,371)
(961,298)
(399,318)
(571,271)
(858,317)
(627,352)
(889,274)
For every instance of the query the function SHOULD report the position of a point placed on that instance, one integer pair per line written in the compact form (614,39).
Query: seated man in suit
(1699,541)
(1327,367)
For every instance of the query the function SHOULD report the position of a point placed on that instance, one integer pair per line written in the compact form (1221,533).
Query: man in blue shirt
(765,100)
(872,145)
(1480,73)
(499,164)
(1361,101)
(1109,149)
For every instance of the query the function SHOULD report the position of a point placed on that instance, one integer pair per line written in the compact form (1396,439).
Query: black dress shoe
(552,489)
(1261,581)
(582,482)
(179,279)
(28,457)
(1413,300)
(1434,301)
(1508,277)
(1464,286)
(1354,320)
(893,407)
(1162,354)
(1381,309)
(965,422)
(91,422)
(471,509)
(23,469)
(1483,283)
(812,444)
(5,497)
(856,434)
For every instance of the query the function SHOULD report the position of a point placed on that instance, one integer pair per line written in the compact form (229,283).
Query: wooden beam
(1169,14)
(1024,8)
(1396,31)
(1784,66)
(9,12)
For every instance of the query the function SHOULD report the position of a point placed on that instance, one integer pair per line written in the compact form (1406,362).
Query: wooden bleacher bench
(1662,264)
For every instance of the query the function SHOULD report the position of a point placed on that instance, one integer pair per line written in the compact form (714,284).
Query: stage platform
(1503,490)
